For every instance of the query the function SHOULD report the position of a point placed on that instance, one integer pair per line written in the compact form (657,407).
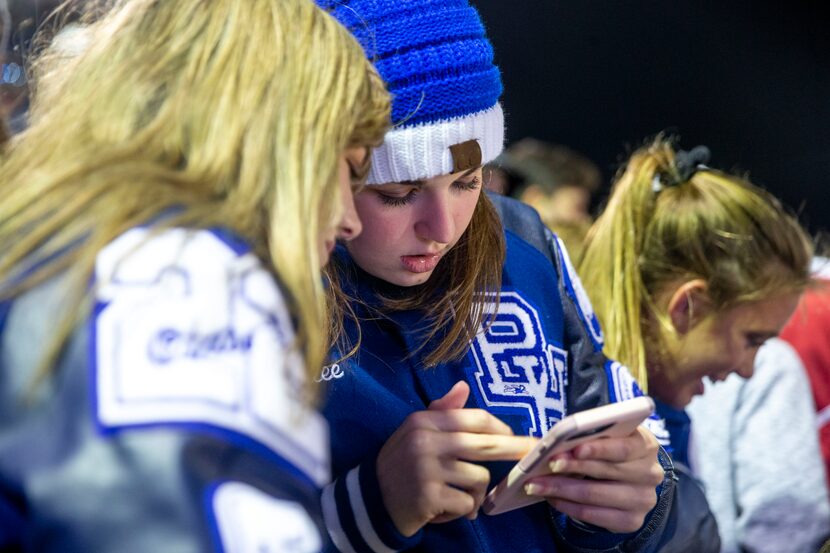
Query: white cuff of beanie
(422,151)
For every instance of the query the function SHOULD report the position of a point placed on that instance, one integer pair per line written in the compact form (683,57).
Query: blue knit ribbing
(419,66)
(433,55)
(358,13)
(438,100)
(388,37)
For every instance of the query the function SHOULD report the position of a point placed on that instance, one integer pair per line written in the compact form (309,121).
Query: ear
(688,305)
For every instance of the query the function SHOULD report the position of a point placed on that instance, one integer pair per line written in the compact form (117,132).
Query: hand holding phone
(612,420)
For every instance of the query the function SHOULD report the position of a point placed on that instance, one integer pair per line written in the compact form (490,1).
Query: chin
(683,400)
(410,279)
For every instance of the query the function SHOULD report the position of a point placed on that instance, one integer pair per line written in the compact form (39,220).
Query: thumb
(454,399)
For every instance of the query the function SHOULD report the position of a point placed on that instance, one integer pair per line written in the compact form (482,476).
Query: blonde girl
(163,224)
(690,270)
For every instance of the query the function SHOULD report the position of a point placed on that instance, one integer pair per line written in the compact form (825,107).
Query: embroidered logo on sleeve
(188,331)
(516,370)
(251,521)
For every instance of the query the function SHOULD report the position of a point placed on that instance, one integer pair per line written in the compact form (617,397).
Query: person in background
(556,181)
(807,332)
(755,448)
(165,217)
(691,270)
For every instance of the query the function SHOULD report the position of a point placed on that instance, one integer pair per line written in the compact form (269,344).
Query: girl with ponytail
(690,271)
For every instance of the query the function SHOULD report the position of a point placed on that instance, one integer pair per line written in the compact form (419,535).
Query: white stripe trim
(823,417)
(422,151)
(361,515)
(332,519)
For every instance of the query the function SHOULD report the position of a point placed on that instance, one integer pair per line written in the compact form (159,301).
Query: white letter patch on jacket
(189,330)
(517,371)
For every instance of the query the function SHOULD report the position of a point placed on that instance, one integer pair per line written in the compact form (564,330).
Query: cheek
(381,227)
(721,355)
(464,210)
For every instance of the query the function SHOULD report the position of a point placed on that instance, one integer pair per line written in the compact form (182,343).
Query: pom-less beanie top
(438,64)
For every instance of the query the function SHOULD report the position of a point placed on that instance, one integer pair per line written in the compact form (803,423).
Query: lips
(420,263)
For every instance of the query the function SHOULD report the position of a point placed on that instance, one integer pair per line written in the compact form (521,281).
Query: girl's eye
(396,200)
(467,185)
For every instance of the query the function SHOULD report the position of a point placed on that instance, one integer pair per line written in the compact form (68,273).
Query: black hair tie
(689,162)
(686,164)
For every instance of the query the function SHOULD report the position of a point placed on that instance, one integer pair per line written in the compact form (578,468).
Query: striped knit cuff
(356,518)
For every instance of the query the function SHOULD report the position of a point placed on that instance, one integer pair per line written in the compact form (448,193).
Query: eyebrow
(422,182)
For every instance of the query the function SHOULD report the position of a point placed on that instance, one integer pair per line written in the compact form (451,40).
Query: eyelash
(398,201)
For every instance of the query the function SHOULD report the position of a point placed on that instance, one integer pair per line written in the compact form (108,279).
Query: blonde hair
(454,298)
(216,114)
(712,226)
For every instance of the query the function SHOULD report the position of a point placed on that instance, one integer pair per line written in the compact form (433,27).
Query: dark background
(748,79)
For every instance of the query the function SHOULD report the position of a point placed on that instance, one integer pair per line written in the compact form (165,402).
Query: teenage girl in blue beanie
(466,333)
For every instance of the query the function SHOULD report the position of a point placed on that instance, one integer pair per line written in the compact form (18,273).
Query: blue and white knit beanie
(438,65)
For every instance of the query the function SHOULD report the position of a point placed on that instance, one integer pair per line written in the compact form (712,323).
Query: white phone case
(612,420)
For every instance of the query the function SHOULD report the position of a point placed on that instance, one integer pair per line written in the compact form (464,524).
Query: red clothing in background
(809,333)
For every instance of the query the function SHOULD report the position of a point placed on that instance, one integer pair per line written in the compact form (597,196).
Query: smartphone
(612,420)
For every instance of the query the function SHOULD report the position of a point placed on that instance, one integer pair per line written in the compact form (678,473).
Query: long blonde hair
(711,226)
(224,114)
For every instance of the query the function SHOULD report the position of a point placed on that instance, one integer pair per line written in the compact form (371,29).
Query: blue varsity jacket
(540,360)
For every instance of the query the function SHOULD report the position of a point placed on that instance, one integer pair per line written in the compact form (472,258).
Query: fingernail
(557,466)
(533,489)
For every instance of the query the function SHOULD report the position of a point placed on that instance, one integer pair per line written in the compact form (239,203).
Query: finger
(465,475)
(453,503)
(640,443)
(483,447)
(597,493)
(473,479)
(477,421)
(639,471)
(456,398)
(614,520)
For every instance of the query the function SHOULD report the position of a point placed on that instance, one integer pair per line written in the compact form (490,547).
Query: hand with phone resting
(607,482)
